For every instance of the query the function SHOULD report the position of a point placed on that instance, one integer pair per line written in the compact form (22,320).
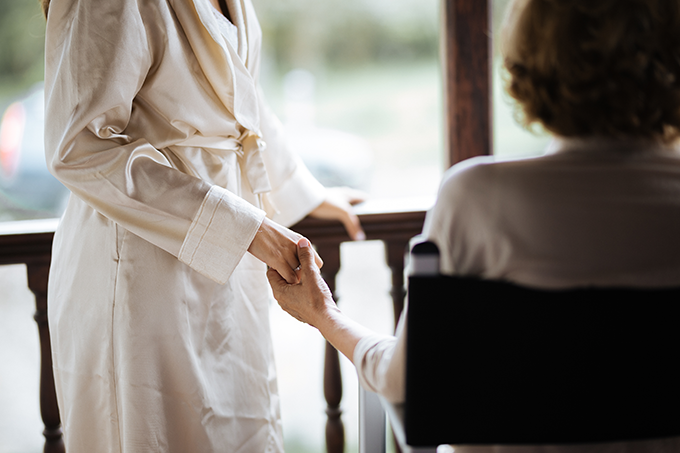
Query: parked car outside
(27,189)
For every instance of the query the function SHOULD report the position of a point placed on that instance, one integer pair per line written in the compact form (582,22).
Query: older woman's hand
(309,300)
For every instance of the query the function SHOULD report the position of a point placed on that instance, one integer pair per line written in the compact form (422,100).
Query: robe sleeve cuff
(300,194)
(220,234)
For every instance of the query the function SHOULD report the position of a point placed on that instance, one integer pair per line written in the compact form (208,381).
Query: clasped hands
(298,288)
(303,294)
(294,265)
(309,300)
(276,245)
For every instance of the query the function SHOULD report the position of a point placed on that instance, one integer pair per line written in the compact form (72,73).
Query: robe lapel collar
(237,15)
(223,66)
(252,33)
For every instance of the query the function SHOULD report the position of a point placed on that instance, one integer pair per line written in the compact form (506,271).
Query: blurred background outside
(358,85)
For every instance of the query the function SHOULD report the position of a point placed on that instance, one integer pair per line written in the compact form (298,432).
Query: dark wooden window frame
(467,50)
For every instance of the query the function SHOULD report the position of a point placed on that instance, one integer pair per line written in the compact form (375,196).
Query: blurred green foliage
(309,34)
(316,34)
(22,36)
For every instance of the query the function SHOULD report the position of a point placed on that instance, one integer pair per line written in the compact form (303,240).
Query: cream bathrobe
(158,315)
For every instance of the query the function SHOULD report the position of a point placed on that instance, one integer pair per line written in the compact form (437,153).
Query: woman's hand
(310,300)
(276,246)
(338,206)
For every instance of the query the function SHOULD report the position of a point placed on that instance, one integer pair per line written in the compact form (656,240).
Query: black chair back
(490,362)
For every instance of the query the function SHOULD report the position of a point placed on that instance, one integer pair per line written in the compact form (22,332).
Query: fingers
(339,209)
(276,246)
(308,263)
(288,273)
(353,226)
(291,264)
(317,259)
(305,248)
(275,279)
(353,196)
(307,256)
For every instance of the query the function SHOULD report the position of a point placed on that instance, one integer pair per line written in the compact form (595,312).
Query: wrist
(341,331)
(328,316)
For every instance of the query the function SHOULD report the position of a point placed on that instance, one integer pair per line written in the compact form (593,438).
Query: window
(510,139)
(358,85)
(27,190)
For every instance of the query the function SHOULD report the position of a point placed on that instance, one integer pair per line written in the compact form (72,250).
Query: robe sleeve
(98,55)
(295,192)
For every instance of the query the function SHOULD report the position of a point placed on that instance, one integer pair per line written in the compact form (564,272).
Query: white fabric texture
(590,212)
(158,315)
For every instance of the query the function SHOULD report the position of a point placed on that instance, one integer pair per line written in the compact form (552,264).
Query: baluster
(332,380)
(49,411)
(394,254)
(332,390)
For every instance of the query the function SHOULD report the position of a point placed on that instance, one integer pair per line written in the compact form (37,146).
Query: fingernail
(303,243)
(360,236)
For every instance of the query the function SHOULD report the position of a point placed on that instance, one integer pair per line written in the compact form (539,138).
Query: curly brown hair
(596,67)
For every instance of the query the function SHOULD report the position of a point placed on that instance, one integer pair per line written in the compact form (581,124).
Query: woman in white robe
(158,315)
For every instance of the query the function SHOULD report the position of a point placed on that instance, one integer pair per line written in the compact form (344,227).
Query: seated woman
(601,207)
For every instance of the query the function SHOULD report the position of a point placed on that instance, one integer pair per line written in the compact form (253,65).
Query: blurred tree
(22,35)
(298,33)
(311,34)
(498,11)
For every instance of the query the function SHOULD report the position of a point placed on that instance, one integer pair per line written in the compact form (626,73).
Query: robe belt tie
(250,157)
(248,149)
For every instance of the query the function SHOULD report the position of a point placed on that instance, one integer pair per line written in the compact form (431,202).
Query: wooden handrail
(26,241)
(393,222)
